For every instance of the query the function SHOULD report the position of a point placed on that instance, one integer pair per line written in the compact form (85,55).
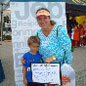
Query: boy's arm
(41,60)
(23,61)
(24,75)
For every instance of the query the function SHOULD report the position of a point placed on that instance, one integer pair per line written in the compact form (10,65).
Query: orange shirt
(81,32)
(76,35)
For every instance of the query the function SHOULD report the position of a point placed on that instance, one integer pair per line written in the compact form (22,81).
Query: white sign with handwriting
(46,73)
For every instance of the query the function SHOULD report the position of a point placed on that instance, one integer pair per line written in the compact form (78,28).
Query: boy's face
(34,47)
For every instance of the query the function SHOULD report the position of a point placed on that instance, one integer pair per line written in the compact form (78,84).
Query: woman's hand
(25,81)
(23,61)
(50,59)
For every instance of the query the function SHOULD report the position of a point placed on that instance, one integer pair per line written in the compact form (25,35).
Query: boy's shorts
(35,84)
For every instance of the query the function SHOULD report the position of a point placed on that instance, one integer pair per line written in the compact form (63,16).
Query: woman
(55,45)
(52,46)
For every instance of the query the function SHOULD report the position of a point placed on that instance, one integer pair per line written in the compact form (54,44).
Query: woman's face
(43,21)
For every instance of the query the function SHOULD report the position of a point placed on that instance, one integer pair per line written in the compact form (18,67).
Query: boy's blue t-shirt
(31,59)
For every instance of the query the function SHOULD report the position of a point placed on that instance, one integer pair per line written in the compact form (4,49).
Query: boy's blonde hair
(33,39)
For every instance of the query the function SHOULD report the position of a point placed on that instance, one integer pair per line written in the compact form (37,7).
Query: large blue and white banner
(24,25)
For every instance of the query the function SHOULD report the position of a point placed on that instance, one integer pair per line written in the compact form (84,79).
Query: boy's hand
(25,81)
(23,61)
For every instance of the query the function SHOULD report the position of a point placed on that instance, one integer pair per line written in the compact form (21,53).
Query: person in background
(9,25)
(76,36)
(84,36)
(84,25)
(31,57)
(81,34)
(84,39)
(73,22)
(6,27)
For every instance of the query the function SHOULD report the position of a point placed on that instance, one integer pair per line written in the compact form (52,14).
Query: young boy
(31,57)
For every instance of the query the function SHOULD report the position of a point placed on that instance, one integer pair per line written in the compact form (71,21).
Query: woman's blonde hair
(33,39)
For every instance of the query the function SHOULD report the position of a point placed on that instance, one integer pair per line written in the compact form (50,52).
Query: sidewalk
(7,62)
(79,64)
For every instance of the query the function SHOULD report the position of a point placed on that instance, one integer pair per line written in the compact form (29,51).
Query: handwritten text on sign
(46,73)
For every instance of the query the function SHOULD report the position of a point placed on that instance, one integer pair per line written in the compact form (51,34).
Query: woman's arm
(65,44)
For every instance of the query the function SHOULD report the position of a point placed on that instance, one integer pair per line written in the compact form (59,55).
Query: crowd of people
(78,34)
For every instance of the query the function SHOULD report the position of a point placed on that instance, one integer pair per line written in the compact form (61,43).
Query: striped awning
(75,10)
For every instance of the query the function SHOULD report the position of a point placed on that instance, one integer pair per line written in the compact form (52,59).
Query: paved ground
(7,60)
